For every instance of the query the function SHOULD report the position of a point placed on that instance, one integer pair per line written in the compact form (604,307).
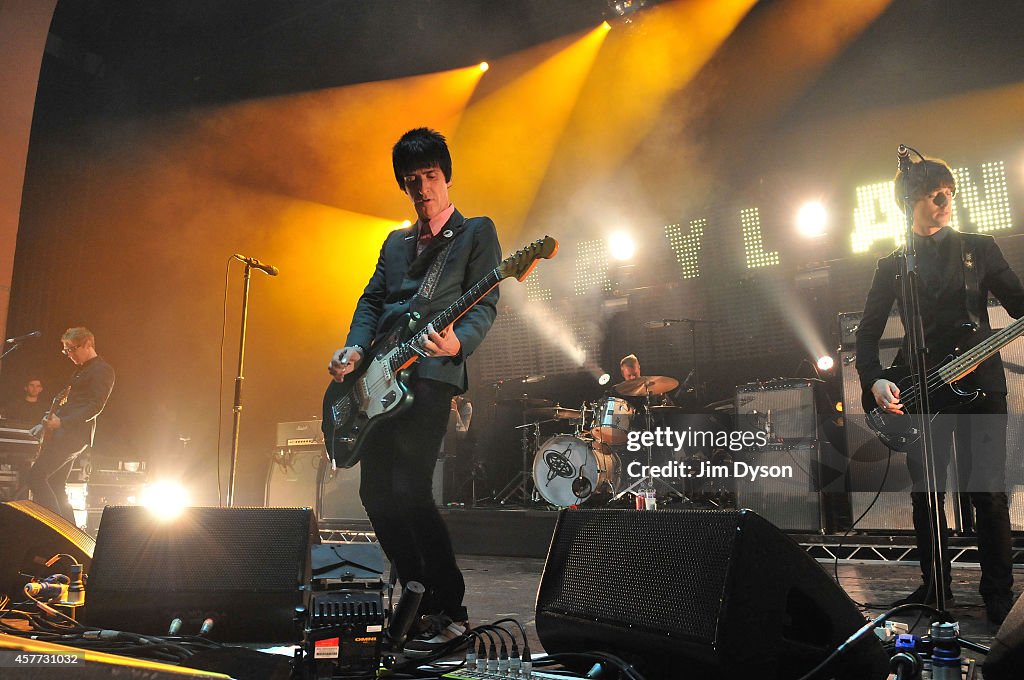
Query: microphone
(21,338)
(581,486)
(903,158)
(405,613)
(268,269)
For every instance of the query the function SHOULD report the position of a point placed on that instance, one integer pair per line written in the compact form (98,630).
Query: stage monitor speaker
(700,593)
(29,536)
(1006,658)
(245,568)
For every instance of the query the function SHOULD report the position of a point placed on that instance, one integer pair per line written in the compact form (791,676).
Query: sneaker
(923,595)
(998,608)
(438,631)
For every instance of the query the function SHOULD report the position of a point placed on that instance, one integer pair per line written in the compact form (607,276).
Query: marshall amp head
(299,433)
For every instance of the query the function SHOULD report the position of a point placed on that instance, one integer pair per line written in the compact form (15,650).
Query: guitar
(40,431)
(378,389)
(944,392)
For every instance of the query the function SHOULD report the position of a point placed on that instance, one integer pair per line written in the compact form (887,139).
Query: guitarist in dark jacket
(398,460)
(71,427)
(957,272)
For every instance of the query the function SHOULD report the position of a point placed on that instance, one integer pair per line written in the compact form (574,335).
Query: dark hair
(922,178)
(420,148)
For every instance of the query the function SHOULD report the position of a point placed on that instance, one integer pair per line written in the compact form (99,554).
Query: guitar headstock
(522,262)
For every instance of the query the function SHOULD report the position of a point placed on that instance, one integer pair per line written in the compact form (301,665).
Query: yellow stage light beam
(332,146)
(761,72)
(637,69)
(505,141)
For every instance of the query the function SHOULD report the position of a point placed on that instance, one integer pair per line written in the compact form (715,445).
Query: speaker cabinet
(245,568)
(696,593)
(784,410)
(29,536)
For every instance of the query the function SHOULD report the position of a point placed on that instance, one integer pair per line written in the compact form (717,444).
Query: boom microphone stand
(906,262)
(270,270)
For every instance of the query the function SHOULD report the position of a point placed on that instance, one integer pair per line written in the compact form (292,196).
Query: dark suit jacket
(91,385)
(944,309)
(397,277)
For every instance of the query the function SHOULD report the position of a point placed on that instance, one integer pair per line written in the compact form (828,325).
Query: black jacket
(91,384)
(944,308)
(397,277)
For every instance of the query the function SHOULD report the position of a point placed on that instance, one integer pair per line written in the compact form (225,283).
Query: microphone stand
(236,422)
(698,386)
(907,273)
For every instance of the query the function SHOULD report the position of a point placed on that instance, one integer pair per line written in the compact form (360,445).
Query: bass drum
(570,471)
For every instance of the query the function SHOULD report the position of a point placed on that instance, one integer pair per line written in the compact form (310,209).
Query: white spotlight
(825,363)
(621,246)
(812,219)
(165,499)
(604,379)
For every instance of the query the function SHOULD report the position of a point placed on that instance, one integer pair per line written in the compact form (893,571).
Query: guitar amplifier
(300,433)
(784,410)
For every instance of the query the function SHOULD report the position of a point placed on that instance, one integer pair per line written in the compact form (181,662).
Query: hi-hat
(647,384)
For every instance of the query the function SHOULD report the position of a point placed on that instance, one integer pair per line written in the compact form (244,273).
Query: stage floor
(500,587)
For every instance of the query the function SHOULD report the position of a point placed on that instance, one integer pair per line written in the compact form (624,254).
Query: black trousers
(50,472)
(396,472)
(980,437)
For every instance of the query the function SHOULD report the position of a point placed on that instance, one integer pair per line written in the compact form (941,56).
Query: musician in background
(28,410)
(397,464)
(956,274)
(629,367)
(72,426)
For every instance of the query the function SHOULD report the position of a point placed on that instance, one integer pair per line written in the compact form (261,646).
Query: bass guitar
(378,389)
(943,387)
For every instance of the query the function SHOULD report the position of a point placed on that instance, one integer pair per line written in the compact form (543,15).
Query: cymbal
(528,402)
(556,412)
(646,384)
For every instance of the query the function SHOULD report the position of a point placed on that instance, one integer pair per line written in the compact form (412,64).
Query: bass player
(956,273)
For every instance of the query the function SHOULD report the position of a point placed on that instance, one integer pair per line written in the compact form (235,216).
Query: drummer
(629,366)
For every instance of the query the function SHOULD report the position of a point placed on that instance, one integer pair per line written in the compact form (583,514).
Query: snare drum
(611,421)
(569,471)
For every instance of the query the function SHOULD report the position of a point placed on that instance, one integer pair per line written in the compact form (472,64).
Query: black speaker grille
(663,586)
(203,550)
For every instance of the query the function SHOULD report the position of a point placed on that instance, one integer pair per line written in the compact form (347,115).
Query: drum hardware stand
(520,484)
(650,480)
(478,471)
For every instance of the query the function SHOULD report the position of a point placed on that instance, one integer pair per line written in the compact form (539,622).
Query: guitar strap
(972,292)
(421,301)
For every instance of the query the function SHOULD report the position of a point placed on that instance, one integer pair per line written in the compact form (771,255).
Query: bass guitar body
(898,432)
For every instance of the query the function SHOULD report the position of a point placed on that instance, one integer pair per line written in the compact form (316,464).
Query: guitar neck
(446,317)
(966,362)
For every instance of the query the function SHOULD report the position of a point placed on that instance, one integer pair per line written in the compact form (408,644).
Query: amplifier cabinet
(784,410)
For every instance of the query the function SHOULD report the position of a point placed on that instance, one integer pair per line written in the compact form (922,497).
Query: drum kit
(586,466)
